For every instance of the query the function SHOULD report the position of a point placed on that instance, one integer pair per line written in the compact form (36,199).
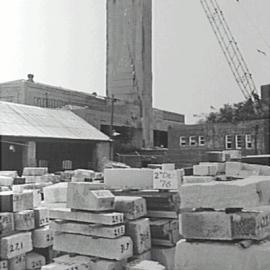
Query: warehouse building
(53,138)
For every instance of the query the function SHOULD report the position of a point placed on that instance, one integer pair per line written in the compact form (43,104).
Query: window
(182,141)
(238,141)
(228,142)
(201,141)
(248,140)
(192,141)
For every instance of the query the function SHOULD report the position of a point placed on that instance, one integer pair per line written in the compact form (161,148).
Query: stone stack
(91,229)
(225,223)
(23,231)
(158,186)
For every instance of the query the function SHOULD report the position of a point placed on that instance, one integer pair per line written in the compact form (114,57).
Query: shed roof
(30,121)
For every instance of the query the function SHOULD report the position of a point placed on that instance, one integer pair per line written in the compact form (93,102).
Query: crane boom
(230,49)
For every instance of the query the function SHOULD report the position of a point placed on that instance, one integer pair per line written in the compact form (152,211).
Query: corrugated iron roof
(30,121)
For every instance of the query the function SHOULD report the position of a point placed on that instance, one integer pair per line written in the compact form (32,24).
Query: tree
(242,111)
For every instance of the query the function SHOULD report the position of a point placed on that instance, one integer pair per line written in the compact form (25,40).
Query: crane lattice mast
(230,49)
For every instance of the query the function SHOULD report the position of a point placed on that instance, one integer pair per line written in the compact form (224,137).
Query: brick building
(96,110)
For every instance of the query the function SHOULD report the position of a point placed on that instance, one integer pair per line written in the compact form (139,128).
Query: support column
(102,154)
(29,154)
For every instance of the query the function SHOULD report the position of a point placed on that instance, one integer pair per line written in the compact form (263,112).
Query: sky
(63,43)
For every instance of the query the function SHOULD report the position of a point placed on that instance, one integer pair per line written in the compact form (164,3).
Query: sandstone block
(56,193)
(139,231)
(24,220)
(41,217)
(15,245)
(17,263)
(80,196)
(132,207)
(205,169)
(6,223)
(42,237)
(80,216)
(115,249)
(95,230)
(249,192)
(34,261)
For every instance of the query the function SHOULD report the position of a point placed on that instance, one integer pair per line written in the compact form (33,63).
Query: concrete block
(56,193)
(81,216)
(95,230)
(34,171)
(15,202)
(24,220)
(130,178)
(205,169)
(42,237)
(249,192)
(191,179)
(41,217)
(6,223)
(17,263)
(232,169)
(249,224)
(115,249)
(132,207)
(62,266)
(144,256)
(81,197)
(165,256)
(3,265)
(221,256)
(139,231)
(6,180)
(15,245)
(144,265)
(34,261)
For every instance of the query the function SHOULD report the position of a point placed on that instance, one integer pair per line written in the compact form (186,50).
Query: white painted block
(41,217)
(131,178)
(34,261)
(80,196)
(95,230)
(132,207)
(6,223)
(56,193)
(15,245)
(84,216)
(139,231)
(17,263)
(24,220)
(42,237)
(204,170)
(170,179)
(115,249)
